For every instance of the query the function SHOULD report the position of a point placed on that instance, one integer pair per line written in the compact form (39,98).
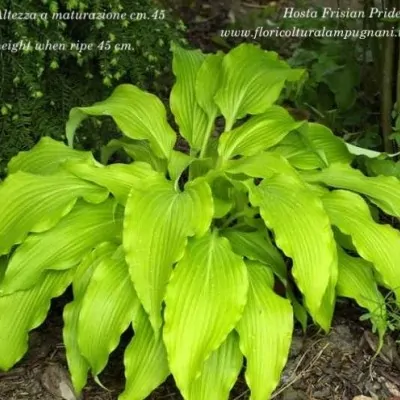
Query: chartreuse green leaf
(63,246)
(300,158)
(34,203)
(108,307)
(219,372)
(334,147)
(138,150)
(77,364)
(140,115)
(299,311)
(343,240)
(208,81)
(204,301)
(191,118)
(222,190)
(158,221)
(316,148)
(329,300)
(178,163)
(46,158)
(258,133)
(261,165)
(252,80)
(26,310)
(376,243)
(257,246)
(296,216)
(356,281)
(384,191)
(119,179)
(145,359)
(265,332)
(298,151)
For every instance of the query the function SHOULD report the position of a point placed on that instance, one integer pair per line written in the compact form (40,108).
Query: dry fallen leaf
(393,390)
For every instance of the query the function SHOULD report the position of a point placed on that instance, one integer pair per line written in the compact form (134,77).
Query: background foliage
(342,90)
(38,88)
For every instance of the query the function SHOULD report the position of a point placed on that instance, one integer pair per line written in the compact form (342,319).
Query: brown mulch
(338,366)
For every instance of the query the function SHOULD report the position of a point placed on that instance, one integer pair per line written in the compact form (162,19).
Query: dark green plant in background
(341,90)
(38,88)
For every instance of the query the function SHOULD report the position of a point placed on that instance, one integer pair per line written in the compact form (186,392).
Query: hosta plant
(209,254)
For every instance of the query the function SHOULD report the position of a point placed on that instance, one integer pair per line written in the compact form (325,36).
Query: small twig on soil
(310,365)
(390,378)
(168,395)
(242,394)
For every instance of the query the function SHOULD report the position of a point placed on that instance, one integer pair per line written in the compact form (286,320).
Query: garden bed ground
(338,366)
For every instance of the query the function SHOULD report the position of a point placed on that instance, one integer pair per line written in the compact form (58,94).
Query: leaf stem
(233,218)
(210,127)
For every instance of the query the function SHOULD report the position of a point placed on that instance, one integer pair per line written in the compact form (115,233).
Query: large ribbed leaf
(296,216)
(108,307)
(138,150)
(265,332)
(258,133)
(177,164)
(119,179)
(158,220)
(252,80)
(376,243)
(46,157)
(329,300)
(300,158)
(25,310)
(219,372)
(63,246)
(77,364)
(316,148)
(34,203)
(224,194)
(145,359)
(191,118)
(334,147)
(139,115)
(299,311)
(384,191)
(356,281)
(204,301)
(257,246)
(262,165)
(208,81)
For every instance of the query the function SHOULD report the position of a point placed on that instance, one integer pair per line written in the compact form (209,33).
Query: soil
(337,366)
